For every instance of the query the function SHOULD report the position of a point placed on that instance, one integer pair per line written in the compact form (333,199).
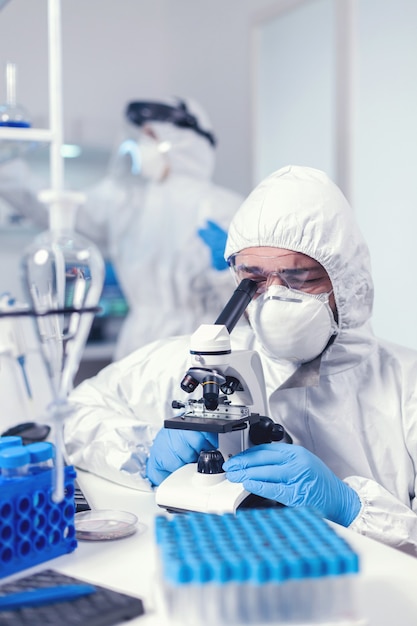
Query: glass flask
(13,115)
(63,275)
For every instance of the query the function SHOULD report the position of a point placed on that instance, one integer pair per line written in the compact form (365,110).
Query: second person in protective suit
(163,221)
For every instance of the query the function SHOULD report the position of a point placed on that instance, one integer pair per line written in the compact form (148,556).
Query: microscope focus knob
(210,462)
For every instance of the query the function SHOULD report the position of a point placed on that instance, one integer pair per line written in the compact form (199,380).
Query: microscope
(233,405)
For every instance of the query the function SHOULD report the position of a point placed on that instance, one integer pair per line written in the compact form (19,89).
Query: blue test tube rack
(258,566)
(34,528)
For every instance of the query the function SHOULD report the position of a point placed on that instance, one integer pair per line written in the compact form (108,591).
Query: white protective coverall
(355,407)
(151,231)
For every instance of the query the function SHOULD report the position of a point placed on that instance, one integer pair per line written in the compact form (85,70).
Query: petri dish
(104,525)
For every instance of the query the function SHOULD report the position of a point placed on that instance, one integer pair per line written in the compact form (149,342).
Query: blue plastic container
(34,528)
(42,454)
(14,461)
(8,441)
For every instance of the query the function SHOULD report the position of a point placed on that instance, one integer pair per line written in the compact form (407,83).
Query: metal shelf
(26,134)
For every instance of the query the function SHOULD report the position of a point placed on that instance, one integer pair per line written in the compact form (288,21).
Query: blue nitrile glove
(215,238)
(294,476)
(173,448)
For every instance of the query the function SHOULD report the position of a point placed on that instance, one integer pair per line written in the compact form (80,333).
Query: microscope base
(187,490)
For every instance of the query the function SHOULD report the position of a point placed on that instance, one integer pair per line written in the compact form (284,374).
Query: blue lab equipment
(42,455)
(259,566)
(47,595)
(14,462)
(9,441)
(33,527)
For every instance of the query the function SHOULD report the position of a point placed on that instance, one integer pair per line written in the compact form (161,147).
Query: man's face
(278,266)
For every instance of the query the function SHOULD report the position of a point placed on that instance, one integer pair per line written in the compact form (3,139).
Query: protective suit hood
(301,209)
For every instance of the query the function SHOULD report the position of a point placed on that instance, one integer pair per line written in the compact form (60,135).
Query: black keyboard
(81,502)
(104,607)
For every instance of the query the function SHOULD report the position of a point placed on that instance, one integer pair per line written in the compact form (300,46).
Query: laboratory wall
(335,88)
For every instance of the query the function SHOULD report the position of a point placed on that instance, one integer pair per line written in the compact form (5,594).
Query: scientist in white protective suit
(164,221)
(348,399)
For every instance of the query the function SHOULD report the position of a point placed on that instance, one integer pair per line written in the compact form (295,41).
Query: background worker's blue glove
(215,238)
(173,448)
(293,476)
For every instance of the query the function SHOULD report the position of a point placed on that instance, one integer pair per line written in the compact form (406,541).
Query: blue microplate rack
(34,528)
(258,566)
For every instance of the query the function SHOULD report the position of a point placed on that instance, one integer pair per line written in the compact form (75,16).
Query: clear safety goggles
(309,276)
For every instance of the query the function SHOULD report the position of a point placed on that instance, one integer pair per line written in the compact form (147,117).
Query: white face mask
(153,163)
(292,325)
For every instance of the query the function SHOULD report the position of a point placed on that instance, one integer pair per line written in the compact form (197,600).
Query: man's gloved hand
(215,238)
(173,448)
(293,476)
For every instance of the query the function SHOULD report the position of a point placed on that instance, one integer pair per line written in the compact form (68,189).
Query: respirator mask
(145,157)
(292,325)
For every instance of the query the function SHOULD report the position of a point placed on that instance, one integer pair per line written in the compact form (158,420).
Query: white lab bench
(386,587)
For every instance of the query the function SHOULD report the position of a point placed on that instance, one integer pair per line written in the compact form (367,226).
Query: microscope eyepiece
(237,304)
